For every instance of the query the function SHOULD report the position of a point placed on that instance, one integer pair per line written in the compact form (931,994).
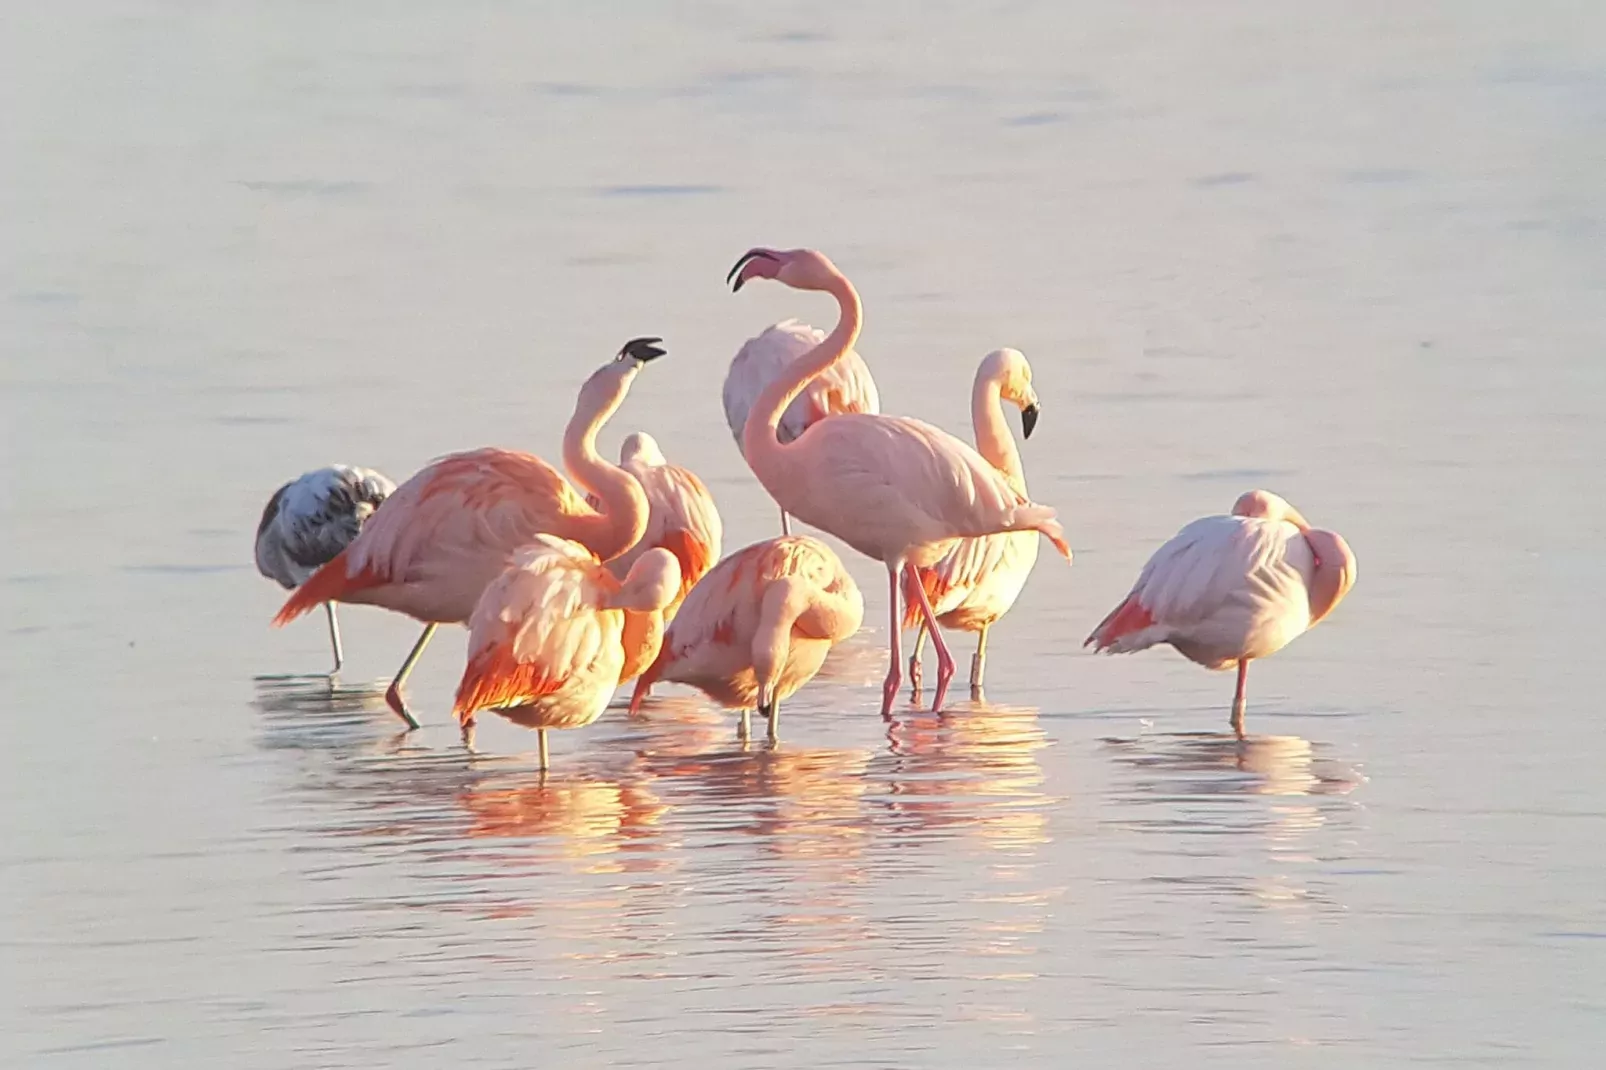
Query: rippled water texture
(1350,253)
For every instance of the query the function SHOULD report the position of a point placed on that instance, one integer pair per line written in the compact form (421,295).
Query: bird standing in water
(1228,589)
(311,519)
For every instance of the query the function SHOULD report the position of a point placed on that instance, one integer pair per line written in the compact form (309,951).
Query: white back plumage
(312,518)
(844,387)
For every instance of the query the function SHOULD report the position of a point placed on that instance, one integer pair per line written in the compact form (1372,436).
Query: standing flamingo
(681,516)
(844,387)
(449,530)
(311,519)
(978,581)
(553,636)
(758,626)
(1229,589)
(895,489)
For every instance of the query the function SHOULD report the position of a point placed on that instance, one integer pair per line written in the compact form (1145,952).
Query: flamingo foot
(915,681)
(945,673)
(889,689)
(393,699)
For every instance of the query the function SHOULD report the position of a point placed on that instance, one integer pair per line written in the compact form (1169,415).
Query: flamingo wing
(846,386)
(966,569)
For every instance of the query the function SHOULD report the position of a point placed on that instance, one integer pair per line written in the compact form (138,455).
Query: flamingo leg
(978,664)
(1238,699)
(945,658)
(744,727)
(540,743)
(915,667)
(889,689)
(334,639)
(774,713)
(393,695)
(786,523)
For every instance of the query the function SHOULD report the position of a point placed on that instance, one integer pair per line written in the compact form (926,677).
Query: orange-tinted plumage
(329,584)
(495,677)
(1125,619)
(694,556)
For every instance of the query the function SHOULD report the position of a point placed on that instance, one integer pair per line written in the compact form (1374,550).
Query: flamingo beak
(642,349)
(759,260)
(1028,419)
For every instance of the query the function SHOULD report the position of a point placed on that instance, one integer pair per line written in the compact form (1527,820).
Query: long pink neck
(765,453)
(993,438)
(622,520)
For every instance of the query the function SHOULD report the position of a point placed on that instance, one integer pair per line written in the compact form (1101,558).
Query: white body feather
(311,519)
(844,387)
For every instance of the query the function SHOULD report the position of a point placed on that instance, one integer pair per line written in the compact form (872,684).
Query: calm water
(1352,254)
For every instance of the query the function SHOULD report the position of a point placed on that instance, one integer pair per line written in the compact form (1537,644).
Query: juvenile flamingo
(846,386)
(681,515)
(553,636)
(450,530)
(758,627)
(1228,589)
(895,489)
(978,581)
(311,519)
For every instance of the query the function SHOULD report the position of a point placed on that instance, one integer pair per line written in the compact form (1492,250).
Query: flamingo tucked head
(1013,374)
(801,269)
(642,447)
(1268,506)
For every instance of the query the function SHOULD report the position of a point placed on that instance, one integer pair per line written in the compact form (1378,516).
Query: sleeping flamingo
(758,626)
(553,636)
(449,530)
(1228,589)
(844,387)
(895,489)
(978,581)
(311,519)
(681,516)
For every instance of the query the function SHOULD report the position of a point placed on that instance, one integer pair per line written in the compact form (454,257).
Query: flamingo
(681,515)
(844,387)
(554,634)
(896,489)
(758,626)
(449,530)
(1228,589)
(311,519)
(978,581)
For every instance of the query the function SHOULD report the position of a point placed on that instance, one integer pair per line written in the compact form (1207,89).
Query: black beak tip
(643,349)
(1028,420)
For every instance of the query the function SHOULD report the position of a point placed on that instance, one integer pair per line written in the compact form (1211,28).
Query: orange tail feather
(494,679)
(932,584)
(329,584)
(1124,619)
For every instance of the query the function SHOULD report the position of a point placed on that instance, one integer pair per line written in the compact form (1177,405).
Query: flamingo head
(801,269)
(1009,369)
(1268,506)
(650,585)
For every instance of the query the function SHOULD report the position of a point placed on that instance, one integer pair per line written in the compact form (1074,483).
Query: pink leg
(1238,699)
(889,690)
(945,659)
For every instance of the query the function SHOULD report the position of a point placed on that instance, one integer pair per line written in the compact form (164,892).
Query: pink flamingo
(1228,589)
(448,531)
(895,489)
(758,626)
(846,386)
(553,636)
(681,515)
(978,581)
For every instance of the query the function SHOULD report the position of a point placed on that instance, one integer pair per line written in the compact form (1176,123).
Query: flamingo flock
(571,589)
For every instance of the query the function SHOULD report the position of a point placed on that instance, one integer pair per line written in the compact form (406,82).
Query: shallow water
(1352,255)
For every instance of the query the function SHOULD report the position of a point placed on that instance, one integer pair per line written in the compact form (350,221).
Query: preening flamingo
(681,516)
(845,386)
(758,626)
(450,530)
(555,633)
(978,581)
(895,489)
(311,519)
(1228,589)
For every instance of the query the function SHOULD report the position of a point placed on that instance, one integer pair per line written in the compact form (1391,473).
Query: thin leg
(786,523)
(945,659)
(775,720)
(468,735)
(393,695)
(914,662)
(334,637)
(540,743)
(1238,699)
(744,727)
(889,689)
(978,664)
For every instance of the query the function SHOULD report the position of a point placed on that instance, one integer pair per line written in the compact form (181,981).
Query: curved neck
(622,517)
(1333,575)
(759,441)
(993,438)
